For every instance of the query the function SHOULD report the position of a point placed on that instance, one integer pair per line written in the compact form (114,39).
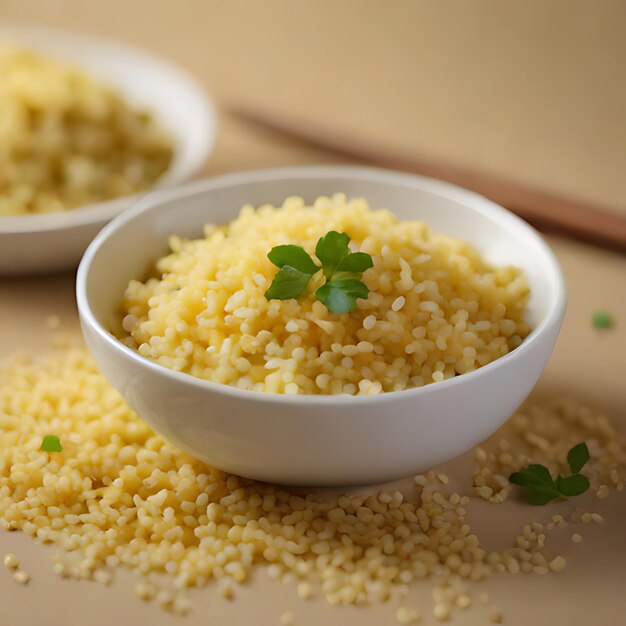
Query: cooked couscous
(67,140)
(120,495)
(435,308)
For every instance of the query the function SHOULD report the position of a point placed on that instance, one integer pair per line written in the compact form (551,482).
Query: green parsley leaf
(538,480)
(342,270)
(330,250)
(334,299)
(288,283)
(294,256)
(51,443)
(533,477)
(573,485)
(355,262)
(352,287)
(339,296)
(540,497)
(540,472)
(543,488)
(602,320)
(577,457)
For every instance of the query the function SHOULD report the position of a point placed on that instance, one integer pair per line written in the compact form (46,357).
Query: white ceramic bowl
(318,440)
(55,241)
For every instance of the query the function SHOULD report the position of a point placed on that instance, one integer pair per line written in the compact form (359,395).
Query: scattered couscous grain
(463,601)
(60,569)
(103,577)
(495,617)
(287,618)
(66,140)
(181,605)
(227,589)
(406,615)
(21,577)
(120,496)
(558,564)
(544,434)
(435,309)
(145,591)
(11,561)
(602,492)
(441,612)
(304,590)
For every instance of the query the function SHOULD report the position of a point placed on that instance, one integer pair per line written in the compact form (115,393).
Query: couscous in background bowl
(56,241)
(318,440)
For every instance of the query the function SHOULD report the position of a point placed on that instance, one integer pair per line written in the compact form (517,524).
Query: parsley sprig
(543,488)
(341,268)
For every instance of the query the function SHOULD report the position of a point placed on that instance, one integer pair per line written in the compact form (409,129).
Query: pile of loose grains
(66,140)
(435,309)
(548,432)
(120,496)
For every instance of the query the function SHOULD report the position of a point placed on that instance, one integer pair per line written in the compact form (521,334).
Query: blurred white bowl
(55,241)
(318,440)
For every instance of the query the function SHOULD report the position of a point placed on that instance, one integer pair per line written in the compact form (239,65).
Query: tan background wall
(534,90)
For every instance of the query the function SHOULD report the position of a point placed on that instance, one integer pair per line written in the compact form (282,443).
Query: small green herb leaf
(573,485)
(294,256)
(51,443)
(602,320)
(339,296)
(537,478)
(330,250)
(540,497)
(531,477)
(342,270)
(355,262)
(352,287)
(335,299)
(540,472)
(577,457)
(288,283)
(543,488)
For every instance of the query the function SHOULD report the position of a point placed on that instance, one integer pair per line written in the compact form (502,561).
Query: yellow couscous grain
(120,496)
(558,564)
(406,615)
(304,590)
(463,601)
(21,577)
(287,618)
(66,140)
(435,308)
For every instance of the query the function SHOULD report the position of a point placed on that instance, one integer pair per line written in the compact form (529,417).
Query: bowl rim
(512,223)
(104,211)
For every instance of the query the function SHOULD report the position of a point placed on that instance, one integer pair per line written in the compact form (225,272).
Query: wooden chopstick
(543,209)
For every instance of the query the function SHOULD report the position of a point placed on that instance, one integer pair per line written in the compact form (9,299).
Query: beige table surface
(587,364)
